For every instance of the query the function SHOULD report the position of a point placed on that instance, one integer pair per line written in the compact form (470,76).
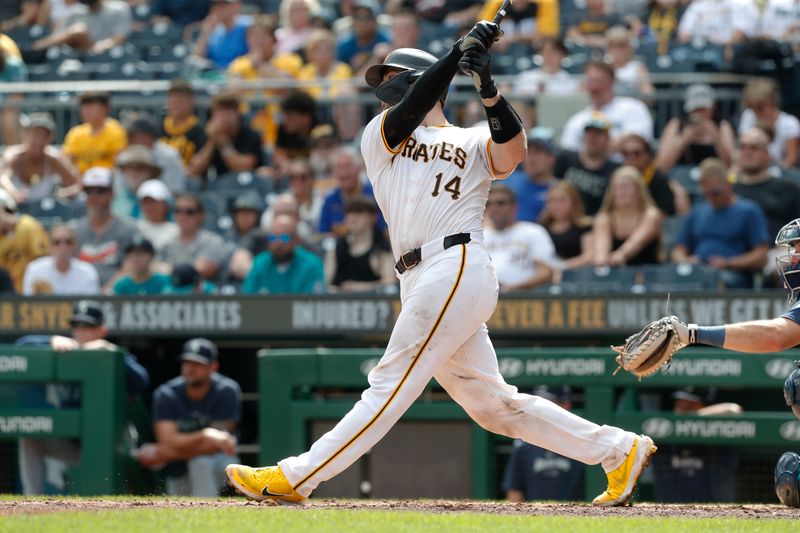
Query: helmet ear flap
(393,90)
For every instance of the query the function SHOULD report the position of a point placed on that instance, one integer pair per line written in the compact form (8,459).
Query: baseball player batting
(431,181)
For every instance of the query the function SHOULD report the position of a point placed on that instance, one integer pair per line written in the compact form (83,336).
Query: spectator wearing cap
(761,101)
(179,12)
(186,280)
(550,77)
(637,152)
(195,417)
(285,267)
(143,131)
(139,274)
(298,111)
(362,259)
(685,473)
(356,49)
(522,252)
(154,205)
(135,165)
(698,135)
(35,169)
(102,235)
(725,232)
(624,113)
(205,250)
(97,141)
(88,331)
(536,474)
(181,128)
(531,181)
(61,272)
(22,239)
(247,210)
(99,26)
(223,33)
(589,169)
(230,145)
(346,167)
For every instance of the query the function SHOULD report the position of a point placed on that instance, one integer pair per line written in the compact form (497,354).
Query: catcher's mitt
(653,347)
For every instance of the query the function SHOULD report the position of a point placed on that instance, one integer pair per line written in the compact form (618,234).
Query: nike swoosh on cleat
(266,492)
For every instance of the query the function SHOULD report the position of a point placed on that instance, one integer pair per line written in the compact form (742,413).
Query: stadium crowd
(263,190)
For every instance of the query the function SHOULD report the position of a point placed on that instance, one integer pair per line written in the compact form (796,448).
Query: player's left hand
(478,63)
(481,35)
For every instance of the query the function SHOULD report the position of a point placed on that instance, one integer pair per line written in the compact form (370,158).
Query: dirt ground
(760,511)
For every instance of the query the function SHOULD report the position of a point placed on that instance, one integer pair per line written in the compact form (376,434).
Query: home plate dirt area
(55,505)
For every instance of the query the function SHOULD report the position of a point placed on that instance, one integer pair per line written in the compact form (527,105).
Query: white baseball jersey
(434,184)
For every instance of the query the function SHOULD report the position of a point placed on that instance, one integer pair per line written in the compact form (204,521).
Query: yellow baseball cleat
(266,483)
(622,480)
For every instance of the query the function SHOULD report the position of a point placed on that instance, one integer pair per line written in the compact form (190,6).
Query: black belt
(414,257)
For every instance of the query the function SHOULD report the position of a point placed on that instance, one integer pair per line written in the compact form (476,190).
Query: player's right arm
(402,119)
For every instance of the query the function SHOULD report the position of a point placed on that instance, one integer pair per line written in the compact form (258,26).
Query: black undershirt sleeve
(402,119)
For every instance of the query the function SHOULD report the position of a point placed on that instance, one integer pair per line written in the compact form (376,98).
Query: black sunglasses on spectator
(191,211)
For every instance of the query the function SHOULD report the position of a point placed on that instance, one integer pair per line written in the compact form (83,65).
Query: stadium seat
(679,277)
(165,52)
(598,279)
(130,70)
(117,54)
(141,13)
(234,183)
(156,35)
(687,176)
(48,211)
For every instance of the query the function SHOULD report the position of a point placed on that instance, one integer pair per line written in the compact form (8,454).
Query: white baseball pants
(441,333)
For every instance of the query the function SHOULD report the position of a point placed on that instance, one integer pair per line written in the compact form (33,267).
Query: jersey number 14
(453,186)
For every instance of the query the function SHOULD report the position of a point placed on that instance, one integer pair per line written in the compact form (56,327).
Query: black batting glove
(482,35)
(478,63)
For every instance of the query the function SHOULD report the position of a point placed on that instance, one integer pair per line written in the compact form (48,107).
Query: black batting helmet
(410,62)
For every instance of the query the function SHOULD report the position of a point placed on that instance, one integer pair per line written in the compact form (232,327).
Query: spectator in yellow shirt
(22,239)
(262,62)
(547,16)
(323,67)
(97,141)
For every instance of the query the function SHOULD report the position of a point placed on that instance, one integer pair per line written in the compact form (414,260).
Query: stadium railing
(138,95)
